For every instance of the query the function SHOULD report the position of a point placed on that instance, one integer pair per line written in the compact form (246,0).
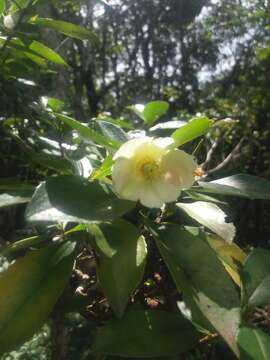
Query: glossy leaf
(88,133)
(15,197)
(254,344)
(194,128)
(124,124)
(104,170)
(211,216)
(14,192)
(152,111)
(121,251)
(48,160)
(231,256)
(22,244)
(256,278)
(243,185)
(29,288)
(194,195)
(36,51)
(146,334)
(73,198)
(38,60)
(112,131)
(46,52)
(20,51)
(66,28)
(51,161)
(55,104)
(166,128)
(194,266)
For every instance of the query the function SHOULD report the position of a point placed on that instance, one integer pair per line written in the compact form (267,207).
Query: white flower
(10,21)
(152,171)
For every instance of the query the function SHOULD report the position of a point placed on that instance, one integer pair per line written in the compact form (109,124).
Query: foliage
(35,349)
(113,278)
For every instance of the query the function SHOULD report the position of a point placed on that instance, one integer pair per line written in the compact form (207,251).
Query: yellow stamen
(149,169)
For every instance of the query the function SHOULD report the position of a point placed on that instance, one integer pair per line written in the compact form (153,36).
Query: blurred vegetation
(203,56)
(38,348)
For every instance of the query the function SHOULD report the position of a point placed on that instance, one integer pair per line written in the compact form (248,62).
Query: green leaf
(242,185)
(194,266)
(36,51)
(88,133)
(211,216)
(112,131)
(146,334)
(46,52)
(2,5)
(122,253)
(231,256)
(150,112)
(166,128)
(13,192)
(29,288)
(41,62)
(22,4)
(124,124)
(194,128)
(22,244)
(72,198)
(104,170)
(55,104)
(14,184)
(256,278)
(194,195)
(19,50)
(254,344)
(50,161)
(14,197)
(263,53)
(52,103)
(66,28)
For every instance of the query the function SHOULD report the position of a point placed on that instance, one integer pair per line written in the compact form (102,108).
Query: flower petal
(166,191)
(179,167)
(125,182)
(171,170)
(149,198)
(163,142)
(128,149)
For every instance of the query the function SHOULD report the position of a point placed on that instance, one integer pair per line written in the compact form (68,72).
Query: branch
(227,160)
(209,154)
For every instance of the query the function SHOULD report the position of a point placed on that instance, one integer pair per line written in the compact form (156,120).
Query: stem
(197,147)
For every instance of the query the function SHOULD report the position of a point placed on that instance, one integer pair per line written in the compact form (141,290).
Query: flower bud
(10,21)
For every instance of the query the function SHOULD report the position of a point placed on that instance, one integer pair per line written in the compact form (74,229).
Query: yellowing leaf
(230,255)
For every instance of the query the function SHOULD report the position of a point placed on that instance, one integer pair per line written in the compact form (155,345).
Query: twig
(61,44)
(226,161)
(197,147)
(210,154)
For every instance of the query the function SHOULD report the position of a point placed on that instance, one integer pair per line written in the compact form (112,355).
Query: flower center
(149,169)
